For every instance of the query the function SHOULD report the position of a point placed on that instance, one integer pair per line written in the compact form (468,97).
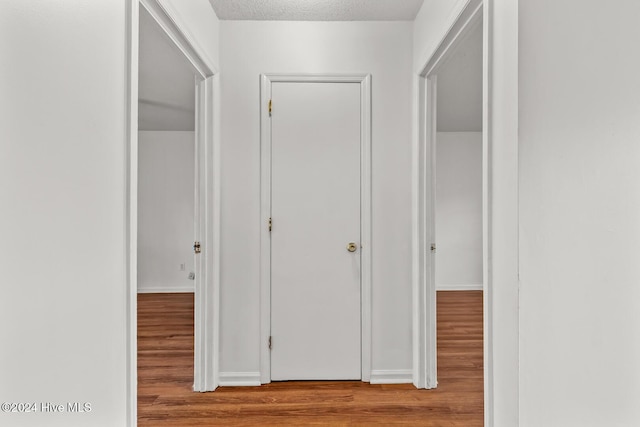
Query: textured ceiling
(317,10)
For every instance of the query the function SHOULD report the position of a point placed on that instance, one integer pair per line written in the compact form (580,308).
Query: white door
(315,202)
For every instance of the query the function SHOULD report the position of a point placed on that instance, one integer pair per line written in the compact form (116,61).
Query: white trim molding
(207,226)
(166,289)
(500,214)
(265,210)
(459,287)
(169,19)
(131,209)
(239,379)
(392,376)
(424,291)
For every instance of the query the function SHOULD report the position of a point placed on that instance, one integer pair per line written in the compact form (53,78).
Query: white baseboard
(252,379)
(242,379)
(464,287)
(165,289)
(391,376)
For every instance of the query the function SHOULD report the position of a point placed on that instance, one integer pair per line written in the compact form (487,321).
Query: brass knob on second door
(352,247)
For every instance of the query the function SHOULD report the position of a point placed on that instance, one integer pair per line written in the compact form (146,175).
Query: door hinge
(196,247)
(433,247)
(270,343)
(270,108)
(270,224)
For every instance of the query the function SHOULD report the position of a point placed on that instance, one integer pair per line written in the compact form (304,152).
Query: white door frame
(207,197)
(265,209)
(424,170)
(499,206)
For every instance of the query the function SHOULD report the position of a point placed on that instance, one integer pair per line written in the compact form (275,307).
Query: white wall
(459,210)
(62,204)
(62,194)
(165,211)
(382,49)
(580,213)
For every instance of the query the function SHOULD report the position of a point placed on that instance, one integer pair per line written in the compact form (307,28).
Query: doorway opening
(458,167)
(458,221)
(172,179)
(166,262)
(166,164)
(450,188)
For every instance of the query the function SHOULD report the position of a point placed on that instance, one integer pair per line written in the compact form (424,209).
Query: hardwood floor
(165,377)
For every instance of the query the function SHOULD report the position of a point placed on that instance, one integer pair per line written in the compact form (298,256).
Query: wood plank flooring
(165,377)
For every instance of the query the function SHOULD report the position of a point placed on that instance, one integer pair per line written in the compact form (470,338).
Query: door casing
(265,209)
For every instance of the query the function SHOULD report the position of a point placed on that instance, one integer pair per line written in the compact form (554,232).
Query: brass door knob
(352,247)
